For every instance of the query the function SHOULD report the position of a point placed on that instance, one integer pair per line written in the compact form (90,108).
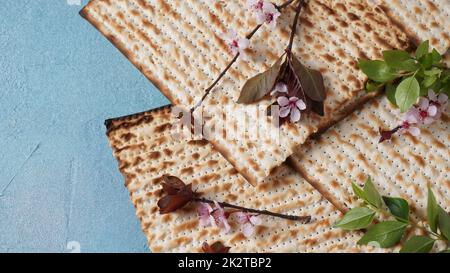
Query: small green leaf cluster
(390,232)
(405,76)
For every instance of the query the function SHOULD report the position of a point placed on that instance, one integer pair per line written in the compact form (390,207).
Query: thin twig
(294,25)
(303,219)
(249,36)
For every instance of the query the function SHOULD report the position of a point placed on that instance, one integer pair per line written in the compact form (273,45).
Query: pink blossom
(249,221)
(220,217)
(408,123)
(291,106)
(265,12)
(426,111)
(279,88)
(204,212)
(256,5)
(440,101)
(270,14)
(236,44)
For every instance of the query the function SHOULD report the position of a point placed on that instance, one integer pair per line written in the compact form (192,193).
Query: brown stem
(294,26)
(249,36)
(304,219)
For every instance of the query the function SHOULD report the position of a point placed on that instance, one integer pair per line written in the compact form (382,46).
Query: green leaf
(407,93)
(445,251)
(429,81)
(409,65)
(432,211)
(260,85)
(386,234)
(418,244)
(377,71)
(358,191)
(372,86)
(436,56)
(393,57)
(398,207)
(390,93)
(444,223)
(357,218)
(398,59)
(433,71)
(423,49)
(311,81)
(371,193)
(426,61)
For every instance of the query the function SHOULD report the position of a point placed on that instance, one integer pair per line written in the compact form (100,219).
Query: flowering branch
(236,56)
(303,219)
(178,195)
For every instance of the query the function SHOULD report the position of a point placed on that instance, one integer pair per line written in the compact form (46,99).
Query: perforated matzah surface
(403,167)
(146,149)
(177,45)
(422,20)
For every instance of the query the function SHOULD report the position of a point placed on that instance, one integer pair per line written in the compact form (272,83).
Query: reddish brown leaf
(260,85)
(216,247)
(178,194)
(171,203)
(311,81)
(172,184)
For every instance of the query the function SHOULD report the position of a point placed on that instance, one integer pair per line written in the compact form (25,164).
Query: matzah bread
(146,149)
(403,167)
(422,20)
(177,44)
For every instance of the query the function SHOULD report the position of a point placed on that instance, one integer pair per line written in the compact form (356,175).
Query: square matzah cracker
(145,147)
(422,20)
(403,167)
(177,44)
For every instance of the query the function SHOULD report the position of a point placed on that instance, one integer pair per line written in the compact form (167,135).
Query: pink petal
(241,217)
(423,103)
(414,131)
(442,98)
(260,18)
(269,7)
(248,230)
(255,220)
(284,111)
(293,99)
(244,43)
(431,95)
(281,87)
(225,226)
(412,116)
(283,101)
(295,114)
(301,105)
(432,110)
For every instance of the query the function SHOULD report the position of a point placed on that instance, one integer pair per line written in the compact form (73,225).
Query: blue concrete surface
(59,183)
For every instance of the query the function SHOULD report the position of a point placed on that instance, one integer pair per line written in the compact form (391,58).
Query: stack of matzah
(149,145)
(178,45)
(404,167)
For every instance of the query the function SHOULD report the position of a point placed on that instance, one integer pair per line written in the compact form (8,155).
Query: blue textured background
(59,80)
